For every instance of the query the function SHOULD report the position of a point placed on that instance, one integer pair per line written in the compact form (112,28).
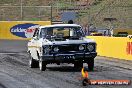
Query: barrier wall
(116,47)
(19,29)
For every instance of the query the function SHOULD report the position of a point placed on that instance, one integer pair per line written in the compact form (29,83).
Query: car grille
(67,48)
(71,48)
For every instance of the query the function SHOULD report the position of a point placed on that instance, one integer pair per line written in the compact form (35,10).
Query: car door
(34,44)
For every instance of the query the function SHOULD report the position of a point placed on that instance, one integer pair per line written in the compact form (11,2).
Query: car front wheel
(91,64)
(33,63)
(42,65)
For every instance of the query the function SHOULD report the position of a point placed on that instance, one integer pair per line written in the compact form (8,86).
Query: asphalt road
(15,73)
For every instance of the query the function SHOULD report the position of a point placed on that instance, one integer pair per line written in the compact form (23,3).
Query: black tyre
(91,65)
(42,65)
(33,63)
(78,64)
(86,82)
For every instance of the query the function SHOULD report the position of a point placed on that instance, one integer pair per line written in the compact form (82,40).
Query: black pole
(51,13)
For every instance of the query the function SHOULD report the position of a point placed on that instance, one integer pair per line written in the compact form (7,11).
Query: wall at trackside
(116,47)
(21,30)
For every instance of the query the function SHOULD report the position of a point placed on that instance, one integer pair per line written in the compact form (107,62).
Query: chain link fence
(37,9)
(26,13)
(27,10)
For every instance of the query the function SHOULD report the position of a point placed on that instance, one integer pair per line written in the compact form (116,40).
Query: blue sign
(24,30)
(66,16)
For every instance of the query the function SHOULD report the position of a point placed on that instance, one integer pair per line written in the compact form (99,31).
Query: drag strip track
(15,73)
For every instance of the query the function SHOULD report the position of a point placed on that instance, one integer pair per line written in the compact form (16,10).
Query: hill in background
(89,11)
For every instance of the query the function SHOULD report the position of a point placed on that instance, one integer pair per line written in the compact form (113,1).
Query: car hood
(84,40)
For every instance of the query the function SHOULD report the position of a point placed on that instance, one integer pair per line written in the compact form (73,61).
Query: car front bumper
(69,57)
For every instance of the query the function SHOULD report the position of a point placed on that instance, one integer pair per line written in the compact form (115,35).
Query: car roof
(59,25)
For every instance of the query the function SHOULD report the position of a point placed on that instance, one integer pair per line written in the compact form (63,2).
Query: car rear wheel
(42,65)
(91,64)
(33,63)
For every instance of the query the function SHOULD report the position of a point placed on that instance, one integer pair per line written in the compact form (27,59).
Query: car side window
(43,33)
(36,33)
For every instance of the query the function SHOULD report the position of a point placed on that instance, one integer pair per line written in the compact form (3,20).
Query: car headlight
(81,47)
(56,49)
(47,49)
(90,47)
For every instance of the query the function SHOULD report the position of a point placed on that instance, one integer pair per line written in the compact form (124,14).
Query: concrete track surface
(15,73)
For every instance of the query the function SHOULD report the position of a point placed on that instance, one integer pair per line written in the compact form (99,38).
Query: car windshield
(62,32)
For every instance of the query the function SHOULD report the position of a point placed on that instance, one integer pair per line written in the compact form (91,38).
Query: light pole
(21,10)
(51,13)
